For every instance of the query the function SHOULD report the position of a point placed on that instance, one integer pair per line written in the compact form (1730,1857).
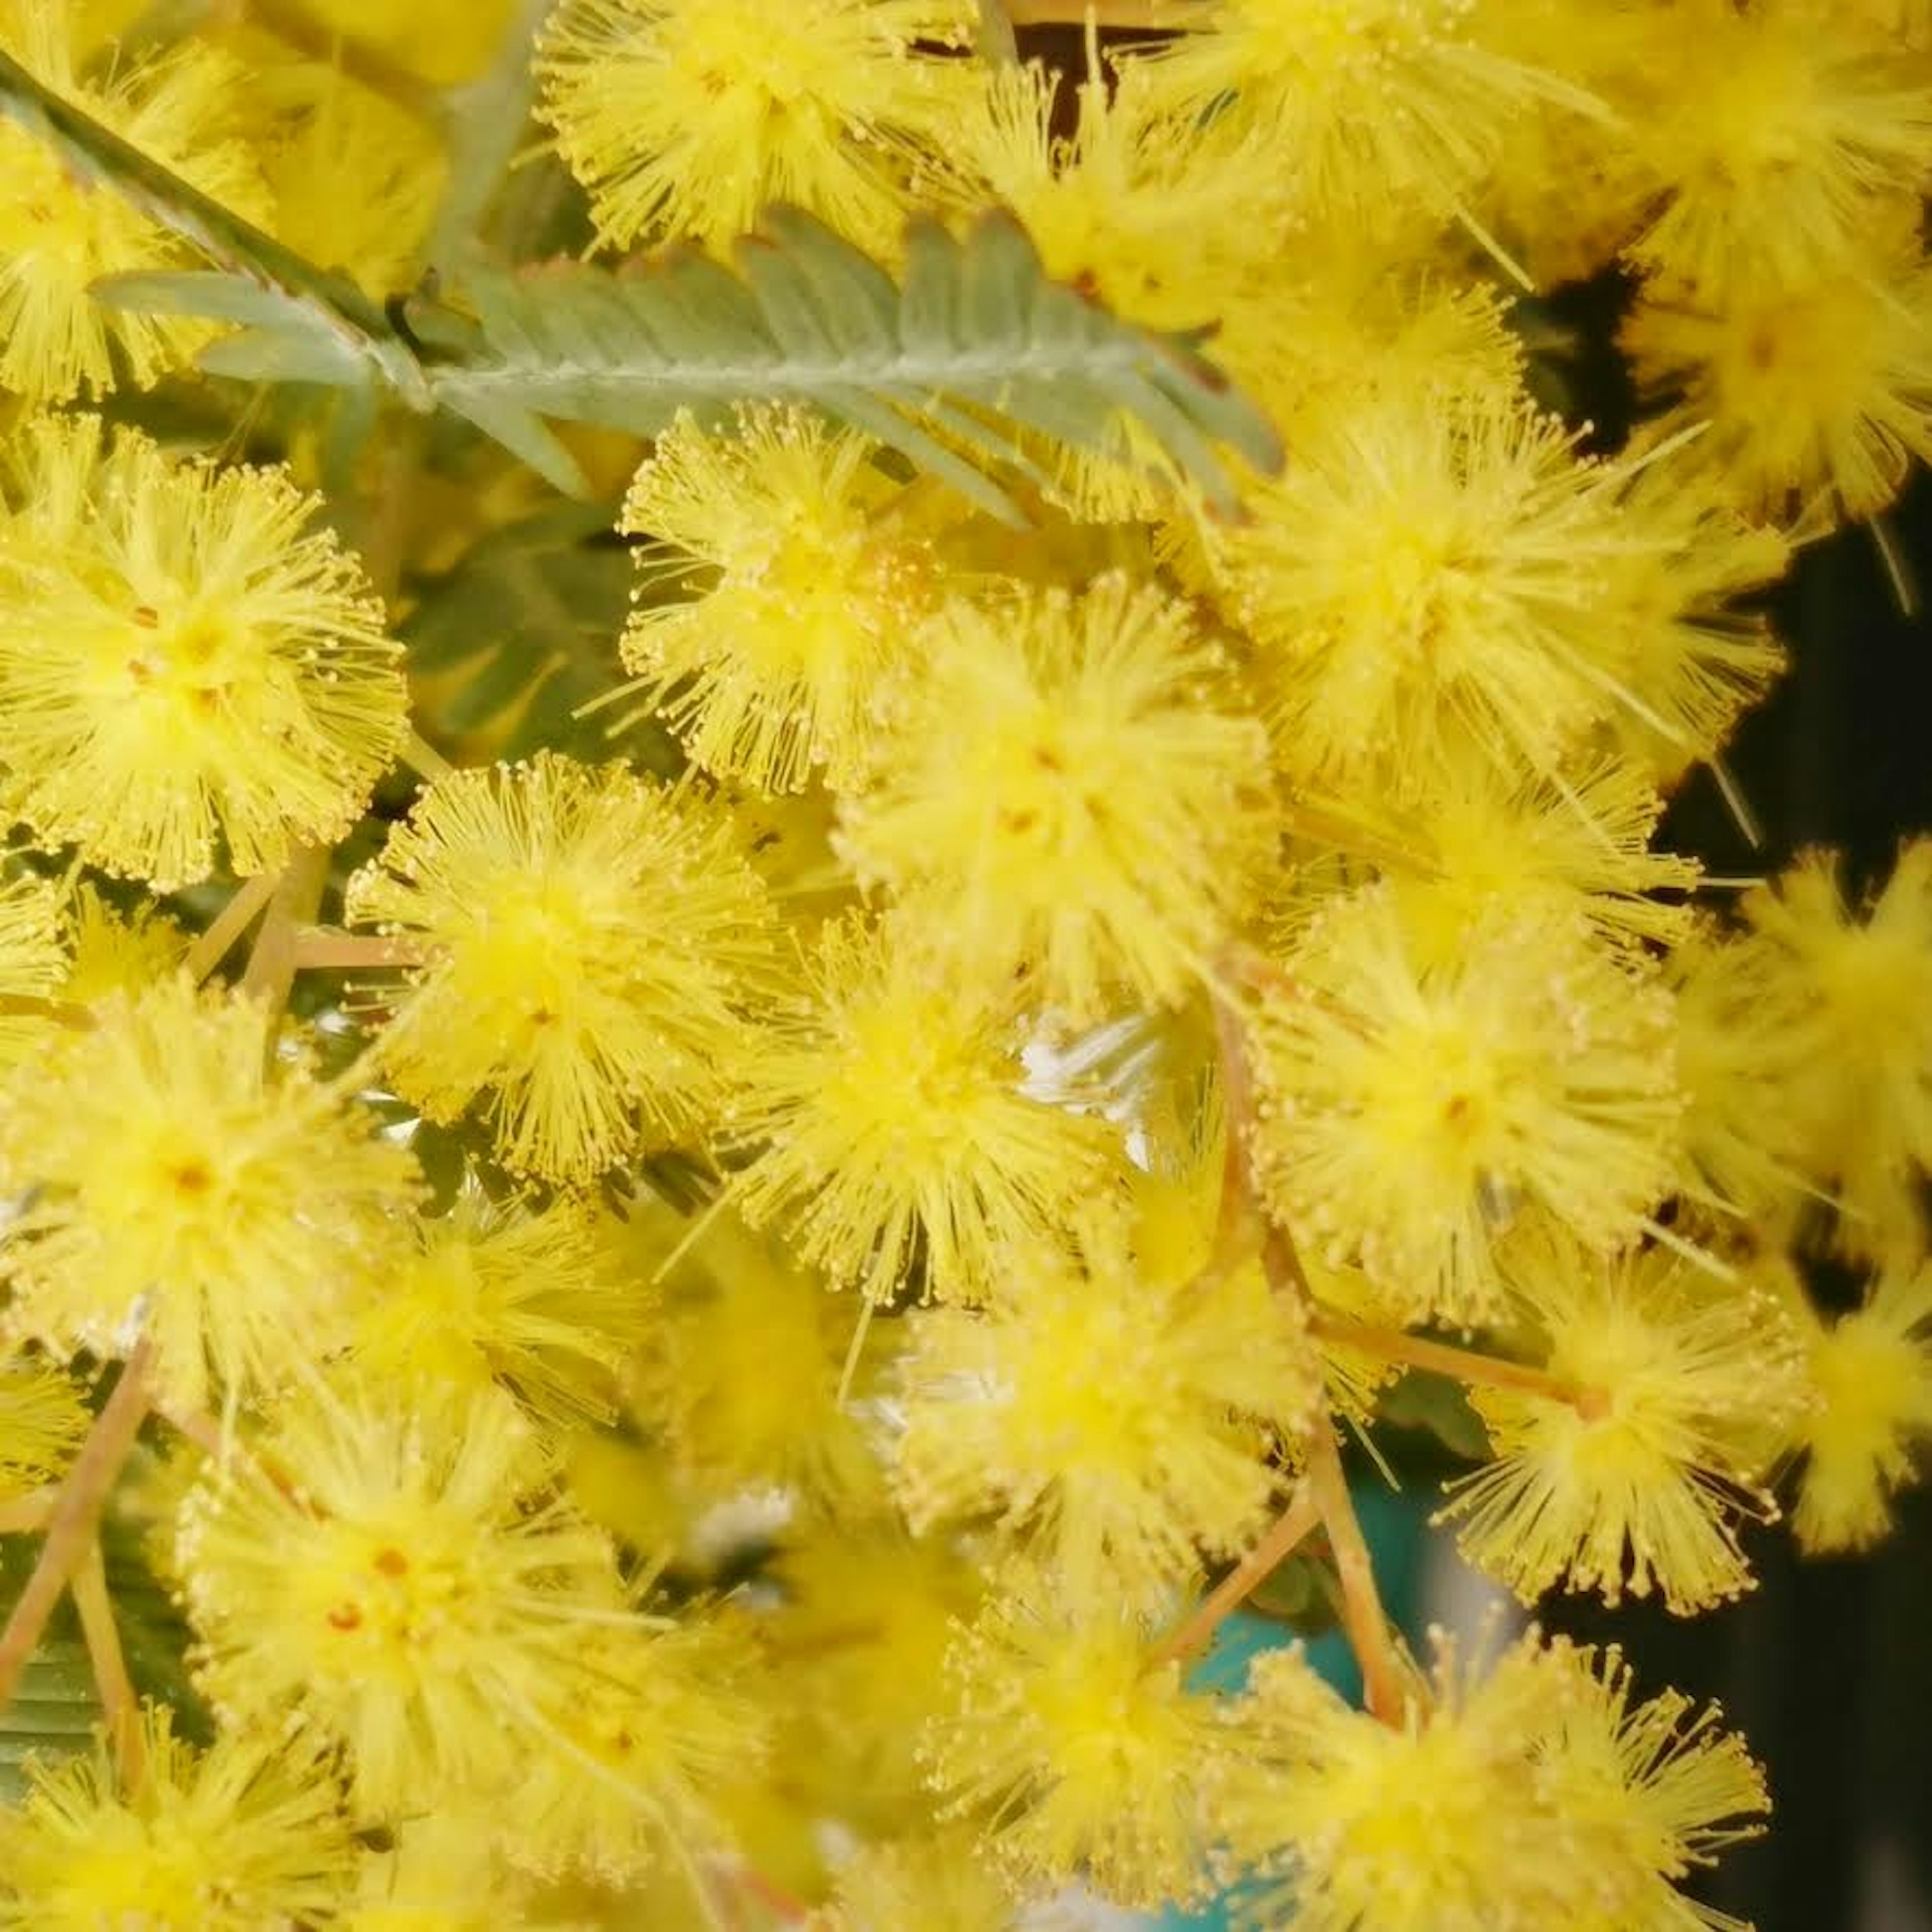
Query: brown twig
(323,949)
(229,923)
(1276,1545)
(70,1526)
(271,969)
(119,1705)
(1442,1358)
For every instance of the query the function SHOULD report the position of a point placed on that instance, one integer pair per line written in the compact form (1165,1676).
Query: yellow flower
(689,117)
(32,961)
(1871,1371)
(939,1881)
(1776,136)
(230,1210)
(1117,1426)
(1685,1386)
(591,940)
(741,1374)
(440,1872)
(1439,1823)
(58,236)
(1065,786)
(500,1293)
(247,1834)
(402,1590)
(1072,1750)
(884,1115)
(1864,1095)
(1649,1796)
(187,662)
(1439,576)
(42,1421)
(1818,394)
(112,949)
(652,1725)
(807,582)
(1413,1107)
(1375,107)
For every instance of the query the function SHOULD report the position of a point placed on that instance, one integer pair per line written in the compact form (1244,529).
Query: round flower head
(1376,110)
(229,1208)
(490,1294)
(687,118)
(111,949)
(1434,574)
(939,1881)
(1064,786)
(806,583)
(42,1421)
(1776,136)
(1685,1386)
(1413,1107)
(249,1833)
(186,663)
(652,1724)
(398,1590)
(1870,1373)
(33,963)
(1117,1424)
(441,1871)
(1075,1752)
(1865,1095)
(1439,1823)
(883,1112)
(590,939)
(59,234)
(1818,394)
(1650,1796)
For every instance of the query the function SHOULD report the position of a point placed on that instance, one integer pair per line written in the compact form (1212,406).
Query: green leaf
(52,1717)
(975,345)
(1440,1408)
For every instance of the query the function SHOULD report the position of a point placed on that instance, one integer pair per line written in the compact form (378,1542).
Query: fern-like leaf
(974,346)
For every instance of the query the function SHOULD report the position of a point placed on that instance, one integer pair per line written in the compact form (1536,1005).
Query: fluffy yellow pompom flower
(1777,134)
(1819,394)
(58,234)
(1117,1425)
(1865,1094)
(230,1210)
(110,950)
(741,1374)
(1650,1796)
(939,1881)
(188,663)
(249,1833)
(807,581)
(401,1590)
(527,1300)
(688,117)
(1685,1388)
(658,1724)
(33,962)
(1072,1750)
(1871,1373)
(1437,1824)
(42,1421)
(1068,786)
(1413,1107)
(1436,573)
(1375,107)
(440,1871)
(590,939)
(884,1115)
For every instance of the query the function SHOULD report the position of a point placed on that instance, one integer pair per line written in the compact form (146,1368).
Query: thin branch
(1463,1365)
(229,923)
(119,1705)
(1128,15)
(271,971)
(326,949)
(1276,1545)
(70,1527)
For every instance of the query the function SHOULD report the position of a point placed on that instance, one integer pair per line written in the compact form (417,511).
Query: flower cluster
(705,1241)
